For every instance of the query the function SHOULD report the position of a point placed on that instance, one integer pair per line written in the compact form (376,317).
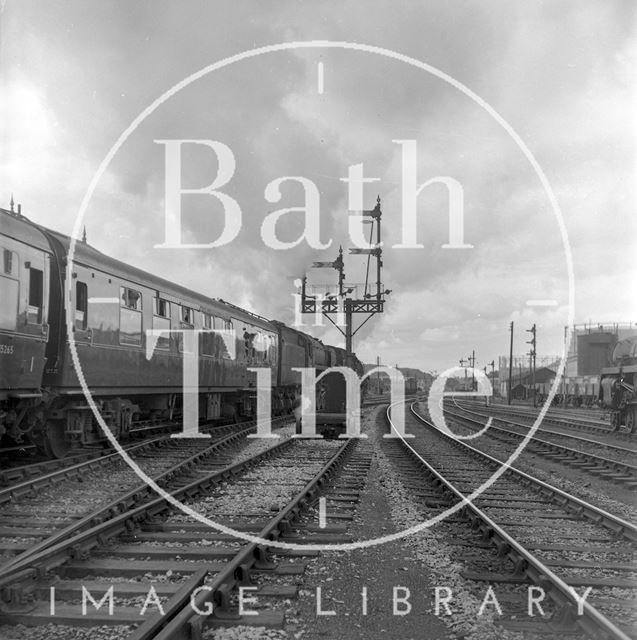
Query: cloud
(75,75)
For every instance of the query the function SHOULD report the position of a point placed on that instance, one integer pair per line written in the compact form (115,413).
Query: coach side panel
(24,291)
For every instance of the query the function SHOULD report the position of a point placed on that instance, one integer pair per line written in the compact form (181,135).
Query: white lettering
(355,183)
(437,393)
(580,599)
(319,608)
(190,372)
(535,595)
(403,599)
(86,595)
(152,598)
(264,403)
(174,191)
(490,598)
(193,603)
(311,209)
(410,194)
(438,600)
(242,600)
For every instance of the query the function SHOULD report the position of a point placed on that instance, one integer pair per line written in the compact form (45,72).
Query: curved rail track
(30,522)
(43,471)
(537,534)
(584,453)
(191,567)
(563,419)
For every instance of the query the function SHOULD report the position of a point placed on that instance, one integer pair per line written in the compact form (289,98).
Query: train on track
(618,385)
(113,304)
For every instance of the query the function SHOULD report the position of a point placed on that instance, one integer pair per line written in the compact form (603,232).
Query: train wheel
(614,420)
(630,419)
(55,444)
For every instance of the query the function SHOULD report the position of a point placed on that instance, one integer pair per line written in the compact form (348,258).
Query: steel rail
(60,472)
(524,560)
(501,418)
(182,623)
(618,525)
(26,471)
(7,494)
(38,564)
(608,463)
(125,501)
(574,421)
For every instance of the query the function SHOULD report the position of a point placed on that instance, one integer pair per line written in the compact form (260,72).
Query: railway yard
(89,550)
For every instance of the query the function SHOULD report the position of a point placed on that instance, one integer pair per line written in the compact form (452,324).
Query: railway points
(155,541)
(604,460)
(518,518)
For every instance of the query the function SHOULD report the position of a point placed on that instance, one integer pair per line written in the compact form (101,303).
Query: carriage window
(228,327)
(187,321)
(10,260)
(9,306)
(161,307)
(130,298)
(130,316)
(264,346)
(161,321)
(81,306)
(248,350)
(207,339)
(36,293)
(187,316)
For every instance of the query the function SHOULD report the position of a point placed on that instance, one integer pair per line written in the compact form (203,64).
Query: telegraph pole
(492,365)
(510,366)
(472,362)
(532,353)
(463,363)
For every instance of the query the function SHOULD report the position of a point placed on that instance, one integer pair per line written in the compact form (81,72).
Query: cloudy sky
(562,75)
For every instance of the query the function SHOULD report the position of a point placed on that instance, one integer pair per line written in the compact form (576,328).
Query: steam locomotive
(618,385)
(113,304)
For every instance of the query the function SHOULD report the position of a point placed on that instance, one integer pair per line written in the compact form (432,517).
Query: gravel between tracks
(62,632)
(419,562)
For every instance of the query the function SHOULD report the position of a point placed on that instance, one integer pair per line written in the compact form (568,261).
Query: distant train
(113,304)
(618,385)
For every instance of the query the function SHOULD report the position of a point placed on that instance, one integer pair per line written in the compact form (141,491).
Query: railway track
(41,471)
(527,533)
(42,510)
(612,463)
(15,459)
(150,545)
(569,421)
